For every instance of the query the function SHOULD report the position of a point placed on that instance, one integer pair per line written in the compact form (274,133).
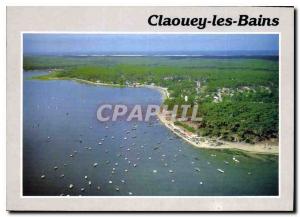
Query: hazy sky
(145,43)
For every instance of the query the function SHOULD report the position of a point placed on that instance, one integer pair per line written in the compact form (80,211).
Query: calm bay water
(60,129)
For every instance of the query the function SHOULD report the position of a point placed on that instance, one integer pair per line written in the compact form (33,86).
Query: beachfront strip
(205,142)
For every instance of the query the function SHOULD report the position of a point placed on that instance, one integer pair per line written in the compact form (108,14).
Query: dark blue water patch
(63,140)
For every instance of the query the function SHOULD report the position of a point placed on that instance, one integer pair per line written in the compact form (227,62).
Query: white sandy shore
(260,148)
(205,142)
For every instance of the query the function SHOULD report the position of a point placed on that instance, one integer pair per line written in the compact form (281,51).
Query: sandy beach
(205,142)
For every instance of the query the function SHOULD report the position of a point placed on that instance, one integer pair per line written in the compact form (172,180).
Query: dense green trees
(240,121)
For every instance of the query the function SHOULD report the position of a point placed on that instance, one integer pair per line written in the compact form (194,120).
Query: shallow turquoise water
(65,111)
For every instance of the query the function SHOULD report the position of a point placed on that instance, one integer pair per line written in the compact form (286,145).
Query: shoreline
(209,143)
(193,139)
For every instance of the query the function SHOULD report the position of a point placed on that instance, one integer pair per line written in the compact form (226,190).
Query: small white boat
(221,171)
(197,169)
(236,160)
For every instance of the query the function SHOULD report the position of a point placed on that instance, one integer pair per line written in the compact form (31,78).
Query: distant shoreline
(207,143)
(160,55)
